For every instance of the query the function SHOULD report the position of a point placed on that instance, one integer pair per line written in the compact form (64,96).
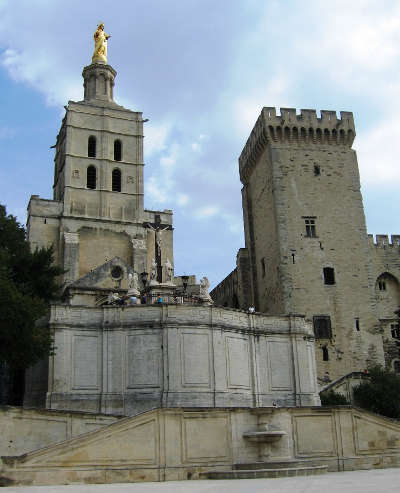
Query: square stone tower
(305,233)
(96,220)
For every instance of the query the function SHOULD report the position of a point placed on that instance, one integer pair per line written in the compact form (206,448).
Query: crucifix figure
(158,228)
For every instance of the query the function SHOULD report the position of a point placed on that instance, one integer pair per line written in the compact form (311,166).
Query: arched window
(117,150)
(91,150)
(387,290)
(91,177)
(116,180)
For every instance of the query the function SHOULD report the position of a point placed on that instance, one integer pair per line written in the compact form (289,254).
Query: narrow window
(116,180)
(357,321)
(263,267)
(317,170)
(322,326)
(395,330)
(310,227)
(325,353)
(91,146)
(382,285)
(91,177)
(117,150)
(329,275)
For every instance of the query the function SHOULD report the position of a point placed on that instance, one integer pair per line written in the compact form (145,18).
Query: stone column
(139,255)
(71,257)
(99,82)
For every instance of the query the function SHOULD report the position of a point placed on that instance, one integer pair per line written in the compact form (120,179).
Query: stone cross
(158,228)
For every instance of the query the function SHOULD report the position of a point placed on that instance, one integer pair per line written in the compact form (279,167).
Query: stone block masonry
(181,444)
(128,360)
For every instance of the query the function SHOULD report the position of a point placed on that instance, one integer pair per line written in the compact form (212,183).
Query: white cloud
(182,199)
(156,137)
(168,161)
(378,161)
(41,73)
(197,144)
(156,192)
(247,108)
(206,212)
(235,223)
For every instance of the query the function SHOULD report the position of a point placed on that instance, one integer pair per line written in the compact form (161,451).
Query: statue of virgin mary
(100,44)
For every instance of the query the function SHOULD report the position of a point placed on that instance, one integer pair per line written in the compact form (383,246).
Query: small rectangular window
(329,275)
(382,285)
(310,227)
(357,321)
(322,326)
(395,330)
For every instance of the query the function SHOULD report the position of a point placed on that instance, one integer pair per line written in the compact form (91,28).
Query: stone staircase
(273,469)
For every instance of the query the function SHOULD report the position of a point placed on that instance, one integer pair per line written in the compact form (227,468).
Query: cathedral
(172,347)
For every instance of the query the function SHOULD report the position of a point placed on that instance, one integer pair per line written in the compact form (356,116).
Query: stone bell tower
(97,214)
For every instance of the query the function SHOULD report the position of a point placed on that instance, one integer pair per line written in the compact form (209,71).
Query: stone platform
(189,444)
(127,360)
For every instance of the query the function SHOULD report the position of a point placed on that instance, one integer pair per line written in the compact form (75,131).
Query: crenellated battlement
(290,128)
(309,118)
(382,241)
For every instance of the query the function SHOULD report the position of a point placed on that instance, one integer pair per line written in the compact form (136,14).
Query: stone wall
(127,360)
(386,266)
(24,430)
(235,291)
(179,444)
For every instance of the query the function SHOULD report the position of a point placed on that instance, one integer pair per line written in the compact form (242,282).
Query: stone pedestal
(99,82)
(164,290)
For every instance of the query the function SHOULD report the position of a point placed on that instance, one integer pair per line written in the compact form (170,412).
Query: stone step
(277,464)
(265,473)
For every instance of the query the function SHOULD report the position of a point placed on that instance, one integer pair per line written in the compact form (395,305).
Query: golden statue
(100,44)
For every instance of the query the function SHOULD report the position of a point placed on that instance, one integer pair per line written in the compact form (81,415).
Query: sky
(201,71)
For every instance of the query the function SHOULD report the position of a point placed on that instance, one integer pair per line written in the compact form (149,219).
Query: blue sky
(201,72)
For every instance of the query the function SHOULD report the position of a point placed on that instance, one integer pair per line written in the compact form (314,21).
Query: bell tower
(97,213)
(99,153)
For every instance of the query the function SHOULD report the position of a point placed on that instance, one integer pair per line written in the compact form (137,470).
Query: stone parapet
(111,317)
(290,128)
(384,242)
(125,360)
